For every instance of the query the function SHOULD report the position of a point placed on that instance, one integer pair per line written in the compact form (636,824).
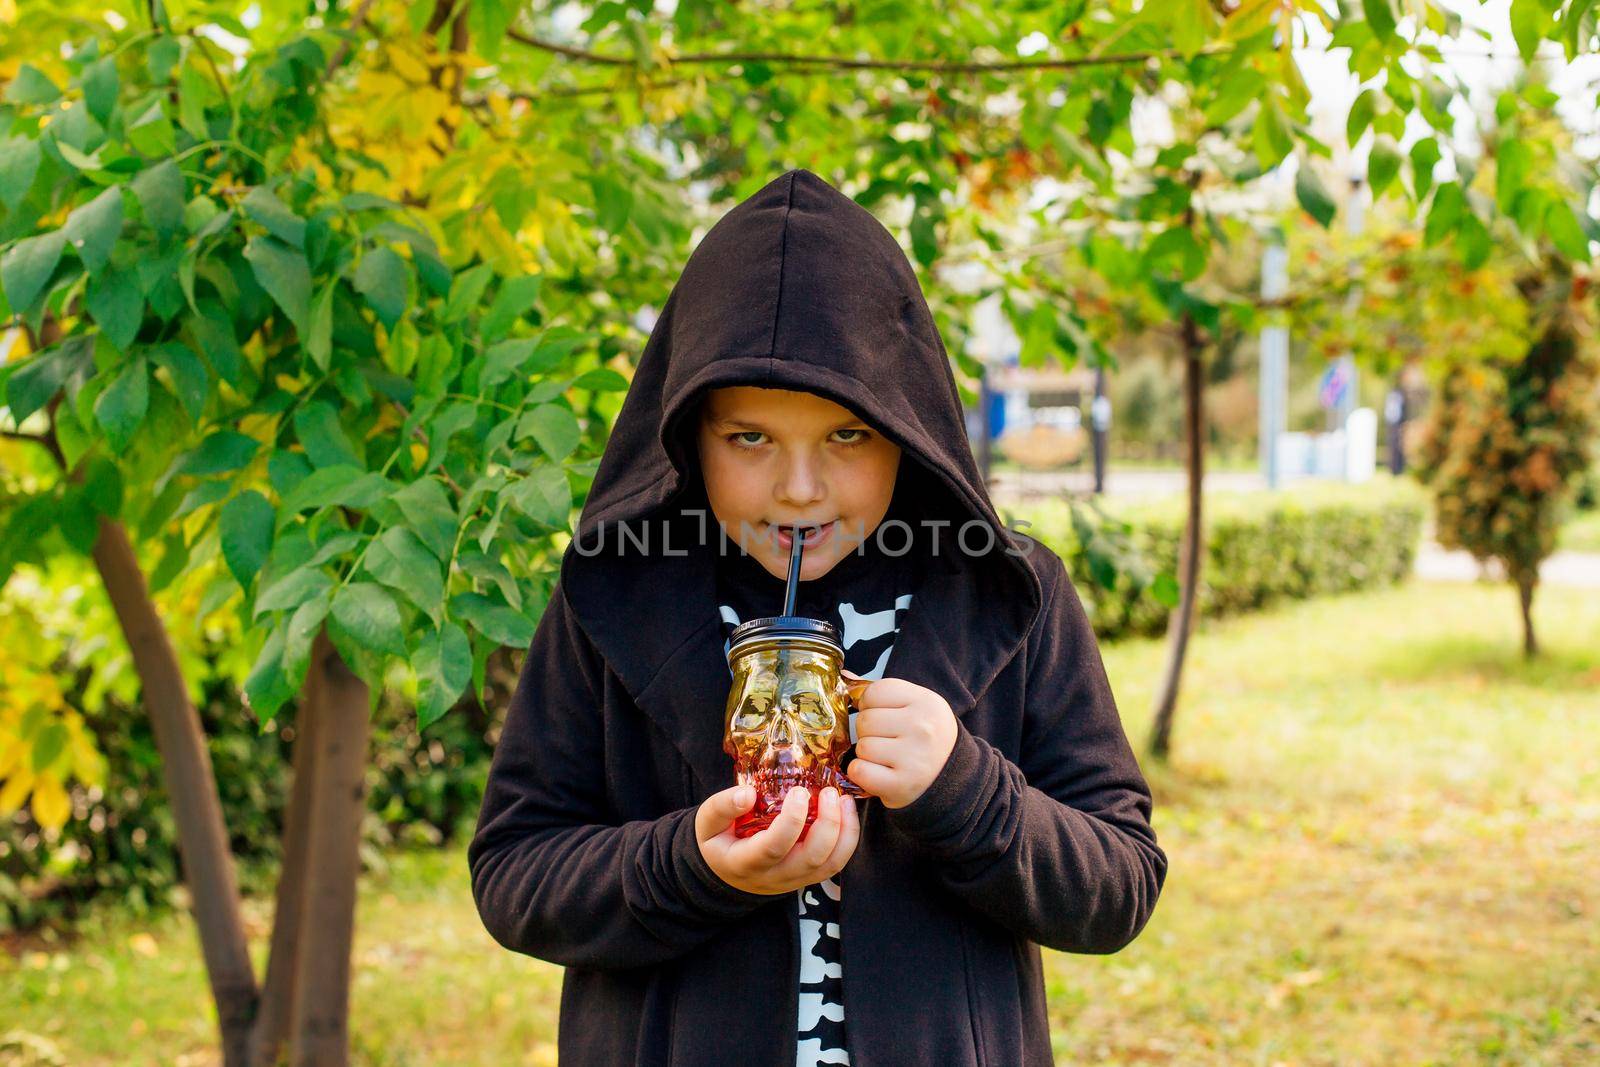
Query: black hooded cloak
(1036,832)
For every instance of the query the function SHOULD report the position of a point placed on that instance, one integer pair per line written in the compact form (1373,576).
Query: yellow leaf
(144,945)
(51,805)
(408,66)
(15,791)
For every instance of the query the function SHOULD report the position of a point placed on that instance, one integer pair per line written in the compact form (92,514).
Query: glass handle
(847,689)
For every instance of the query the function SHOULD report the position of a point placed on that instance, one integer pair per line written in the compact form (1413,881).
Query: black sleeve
(553,873)
(1060,849)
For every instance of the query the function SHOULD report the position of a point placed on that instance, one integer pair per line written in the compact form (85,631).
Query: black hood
(797,287)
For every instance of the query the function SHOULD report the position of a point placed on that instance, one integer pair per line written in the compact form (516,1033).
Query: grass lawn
(1384,832)
(1581,533)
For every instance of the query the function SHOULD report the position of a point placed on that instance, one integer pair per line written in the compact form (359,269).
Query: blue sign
(1335,385)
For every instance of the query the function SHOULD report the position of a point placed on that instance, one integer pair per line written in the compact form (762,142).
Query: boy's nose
(801,484)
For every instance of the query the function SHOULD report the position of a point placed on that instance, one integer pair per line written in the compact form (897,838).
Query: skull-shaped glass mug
(787,720)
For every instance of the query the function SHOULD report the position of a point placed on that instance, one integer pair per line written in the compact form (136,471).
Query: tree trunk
(277,992)
(1525,587)
(338,700)
(1190,551)
(191,790)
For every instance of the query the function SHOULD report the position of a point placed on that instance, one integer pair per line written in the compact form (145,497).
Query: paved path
(1024,485)
(1579,569)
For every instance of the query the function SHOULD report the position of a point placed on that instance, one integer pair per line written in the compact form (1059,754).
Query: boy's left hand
(904,734)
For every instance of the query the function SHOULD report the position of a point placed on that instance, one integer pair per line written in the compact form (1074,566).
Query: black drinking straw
(793,584)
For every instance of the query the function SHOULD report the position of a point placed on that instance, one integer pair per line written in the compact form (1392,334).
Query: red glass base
(766,809)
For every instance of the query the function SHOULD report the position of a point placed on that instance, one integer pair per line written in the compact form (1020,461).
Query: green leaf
(515,297)
(245,530)
(48,743)
(443,664)
(544,496)
(494,621)
(19,164)
(924,237)
(1424,155)
(30,85)
(1576,26)
(202,495)
(302,631)
(1164,588)
(382,279)
(1447,206)
(1472,241)
(554,427)
(319,342)
(1271,138)
(284,274)
(264,207)
(116,305)
(317,428)
(223,451)
(426,506)
(613,199)
(292,590)
(188,375)
(102,486)
(505,358)
(1313,195)
(1382,164)
(1176,248)
(159,190)
(1563,228)
(349,487)
(28,265)
(193,94)
(369,615)
(466,291)
(601,380)
(1360,117)
(1511,161)
(121,408)
(400,560)
(88,163)
(267,688)
(151,134)
(37,380)
(100,84)
(1530,19)
(1380,17)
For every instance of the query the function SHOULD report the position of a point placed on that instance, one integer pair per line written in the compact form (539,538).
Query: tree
(1504,327)
(1507,438)
(227,356)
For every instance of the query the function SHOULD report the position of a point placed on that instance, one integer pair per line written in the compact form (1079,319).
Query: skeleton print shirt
(865,595)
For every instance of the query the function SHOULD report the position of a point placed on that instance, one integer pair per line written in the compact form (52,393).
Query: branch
(934,66)
(357,21)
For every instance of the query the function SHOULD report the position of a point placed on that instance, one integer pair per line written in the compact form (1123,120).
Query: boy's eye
(744,437)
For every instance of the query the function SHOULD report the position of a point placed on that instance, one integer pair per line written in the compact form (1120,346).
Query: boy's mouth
(812,534)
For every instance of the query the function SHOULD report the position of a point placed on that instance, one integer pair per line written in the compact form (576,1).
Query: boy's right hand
(770,862)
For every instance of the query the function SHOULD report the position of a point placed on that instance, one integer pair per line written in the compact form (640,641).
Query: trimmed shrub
(1260,548)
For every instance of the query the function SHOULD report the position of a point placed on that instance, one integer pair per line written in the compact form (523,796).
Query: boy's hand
(904,734)
(770,862)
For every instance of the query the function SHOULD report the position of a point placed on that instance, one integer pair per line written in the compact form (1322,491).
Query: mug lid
(781,626)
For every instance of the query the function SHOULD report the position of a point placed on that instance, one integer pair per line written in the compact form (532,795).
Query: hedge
(1260,548)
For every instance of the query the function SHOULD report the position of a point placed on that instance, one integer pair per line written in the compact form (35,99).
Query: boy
(795,383)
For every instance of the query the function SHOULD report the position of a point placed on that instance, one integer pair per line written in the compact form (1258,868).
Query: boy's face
(773,458)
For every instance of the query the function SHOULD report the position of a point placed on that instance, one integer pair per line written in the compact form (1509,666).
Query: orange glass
(787,722)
